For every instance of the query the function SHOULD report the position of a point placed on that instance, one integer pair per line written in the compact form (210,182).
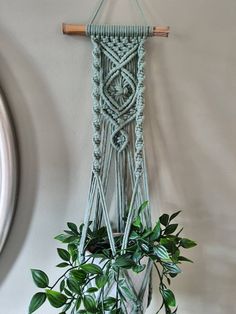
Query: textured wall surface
(190,136)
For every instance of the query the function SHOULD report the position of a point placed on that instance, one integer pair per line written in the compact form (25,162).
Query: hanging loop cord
(100,4)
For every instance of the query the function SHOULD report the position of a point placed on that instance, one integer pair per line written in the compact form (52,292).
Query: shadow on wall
(20,105)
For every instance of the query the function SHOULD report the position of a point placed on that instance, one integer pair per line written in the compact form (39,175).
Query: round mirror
(8,171)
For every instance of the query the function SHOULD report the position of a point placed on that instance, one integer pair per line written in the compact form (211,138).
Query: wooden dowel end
(80,30)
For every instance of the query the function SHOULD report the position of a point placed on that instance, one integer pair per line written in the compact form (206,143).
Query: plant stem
(62,277)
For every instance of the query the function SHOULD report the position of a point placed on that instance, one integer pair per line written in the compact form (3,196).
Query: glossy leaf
(156,232)
(187,243)
(92,290)
(40,278)
(109,303)
(73,285)
(168,297)
(171,228)
(62,265)
(56,299)
(142,207)
(37,300)
(78,303)
(123,261)
(161,252)
(172,268)
(91,268)
(138,268)
(101,281)
(73,227)
(89,303)
(62,285)
(175,215)
(79,275)
(164,219)
(65,255)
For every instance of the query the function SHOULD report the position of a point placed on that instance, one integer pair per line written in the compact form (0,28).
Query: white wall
(190,131)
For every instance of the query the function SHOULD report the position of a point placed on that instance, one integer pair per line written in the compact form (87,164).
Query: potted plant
(87,287)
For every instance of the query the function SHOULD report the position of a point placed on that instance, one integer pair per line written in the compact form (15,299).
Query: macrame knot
(97,139)
(96,167)
(97,125)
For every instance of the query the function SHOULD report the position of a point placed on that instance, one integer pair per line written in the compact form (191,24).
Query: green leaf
(61,237)
(175,215)
(61,265)
(137,222)
(142,207)
(66,307)
(187,243)
(137,255)
(101,281)
(156,232)
(109,303)
(123,261)
(73,285)
(73,227)
(65,255)
(161,252)
(184,259)
(56,299)
(40,278)
(168,297)
(172,268)
(78,303)
(37,300)
(91,268)
(70,239)
(79,275)
(92,290)
(89,303)
(138,268)
(134,235)
(145,247)
(164,219)
(171,228)
(62,285)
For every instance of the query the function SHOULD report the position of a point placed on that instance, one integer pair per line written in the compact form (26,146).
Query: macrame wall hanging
(119,168)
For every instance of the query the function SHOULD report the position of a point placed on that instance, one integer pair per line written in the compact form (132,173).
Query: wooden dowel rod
(77,29)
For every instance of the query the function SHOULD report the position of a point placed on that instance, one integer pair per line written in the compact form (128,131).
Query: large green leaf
(91,268)
(168,297)
(37,300)
(65,255)
(90,304)
(171,228)
(56,299)
(172,268)
(161,252)
(73,285)
(40,278)
(124,261)
(79,275)
(142,207)
(187,243)
(175,215)
(164,219)
(101,280)
(156,232)
(109,303)
(73,227)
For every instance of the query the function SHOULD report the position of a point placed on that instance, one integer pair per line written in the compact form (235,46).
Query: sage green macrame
(119,168)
